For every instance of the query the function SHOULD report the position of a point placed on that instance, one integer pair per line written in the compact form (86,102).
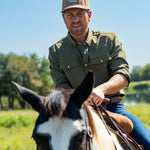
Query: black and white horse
(68,124)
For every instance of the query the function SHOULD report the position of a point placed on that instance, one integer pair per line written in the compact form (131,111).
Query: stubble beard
(77,32)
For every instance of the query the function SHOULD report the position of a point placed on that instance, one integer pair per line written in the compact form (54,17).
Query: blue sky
(31,26)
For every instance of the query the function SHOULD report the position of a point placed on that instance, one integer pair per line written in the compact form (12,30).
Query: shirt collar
(87,41)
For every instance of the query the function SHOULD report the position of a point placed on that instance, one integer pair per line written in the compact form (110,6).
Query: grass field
(16,130)
(16,126)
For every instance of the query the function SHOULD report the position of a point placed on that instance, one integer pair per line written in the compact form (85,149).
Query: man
(82,50)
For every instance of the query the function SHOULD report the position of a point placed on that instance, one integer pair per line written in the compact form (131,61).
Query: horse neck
(101,139)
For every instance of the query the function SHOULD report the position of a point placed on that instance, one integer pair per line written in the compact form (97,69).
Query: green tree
(3,64)
(140,73)
(146,72)
(45,77)
(5,80)
(31,72)
(135,74)
(22,71)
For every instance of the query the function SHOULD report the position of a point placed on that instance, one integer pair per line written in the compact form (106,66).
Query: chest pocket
(100,67)
(74,71)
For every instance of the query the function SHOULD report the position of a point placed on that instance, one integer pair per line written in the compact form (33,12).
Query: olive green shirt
(102,53)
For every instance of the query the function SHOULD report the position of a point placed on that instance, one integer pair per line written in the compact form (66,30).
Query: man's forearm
(115,84)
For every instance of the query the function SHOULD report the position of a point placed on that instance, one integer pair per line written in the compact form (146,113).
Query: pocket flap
(99,59)
(68,65)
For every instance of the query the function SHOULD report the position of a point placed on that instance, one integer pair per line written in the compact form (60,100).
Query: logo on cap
(67,4)
(72,1)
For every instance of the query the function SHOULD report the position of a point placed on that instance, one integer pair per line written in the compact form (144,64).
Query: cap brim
(74,6)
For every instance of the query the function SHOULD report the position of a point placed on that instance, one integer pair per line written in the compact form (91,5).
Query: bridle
(88,130)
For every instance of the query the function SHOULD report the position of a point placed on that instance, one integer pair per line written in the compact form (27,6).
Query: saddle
(124,122)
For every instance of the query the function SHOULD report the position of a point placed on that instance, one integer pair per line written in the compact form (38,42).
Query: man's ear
(90,14)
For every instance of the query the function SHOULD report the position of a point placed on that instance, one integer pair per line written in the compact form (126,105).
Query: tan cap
(67,4)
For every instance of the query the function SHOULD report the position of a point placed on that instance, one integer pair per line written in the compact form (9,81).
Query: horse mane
(57,101)
(91,120)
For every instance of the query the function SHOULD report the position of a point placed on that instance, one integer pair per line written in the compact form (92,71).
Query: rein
(118,128)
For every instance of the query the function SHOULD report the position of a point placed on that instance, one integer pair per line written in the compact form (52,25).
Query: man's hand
(97,95)
(113,85)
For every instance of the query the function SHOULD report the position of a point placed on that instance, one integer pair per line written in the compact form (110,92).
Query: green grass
(16,126)
(16,130)
(142,111)
(16,139)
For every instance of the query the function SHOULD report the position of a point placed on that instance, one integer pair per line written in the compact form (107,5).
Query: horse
(69,124)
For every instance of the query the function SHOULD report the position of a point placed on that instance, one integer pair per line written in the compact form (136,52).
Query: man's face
(76,21)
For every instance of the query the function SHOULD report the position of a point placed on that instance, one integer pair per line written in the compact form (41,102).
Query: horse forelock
(55,103)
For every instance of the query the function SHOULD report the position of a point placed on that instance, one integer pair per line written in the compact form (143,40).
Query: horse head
(60,124)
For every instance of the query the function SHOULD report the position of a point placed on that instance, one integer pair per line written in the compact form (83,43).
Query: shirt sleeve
(119,64)
(57,74)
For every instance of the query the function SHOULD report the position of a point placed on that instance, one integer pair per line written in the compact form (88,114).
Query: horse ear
(29,96)
(84,90)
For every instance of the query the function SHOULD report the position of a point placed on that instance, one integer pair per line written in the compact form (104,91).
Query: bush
(23,119)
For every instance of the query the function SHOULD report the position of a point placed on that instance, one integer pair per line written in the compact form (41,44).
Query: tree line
(139,73)
(34,73)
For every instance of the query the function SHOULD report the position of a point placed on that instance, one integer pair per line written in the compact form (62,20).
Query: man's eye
(70,15)
(80,14)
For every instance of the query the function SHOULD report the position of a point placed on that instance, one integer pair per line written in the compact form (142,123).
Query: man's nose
(76,18)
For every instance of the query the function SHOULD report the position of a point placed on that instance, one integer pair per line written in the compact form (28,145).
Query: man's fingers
(98,100)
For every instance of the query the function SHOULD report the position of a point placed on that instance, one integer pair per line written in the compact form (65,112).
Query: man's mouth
(76,26)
